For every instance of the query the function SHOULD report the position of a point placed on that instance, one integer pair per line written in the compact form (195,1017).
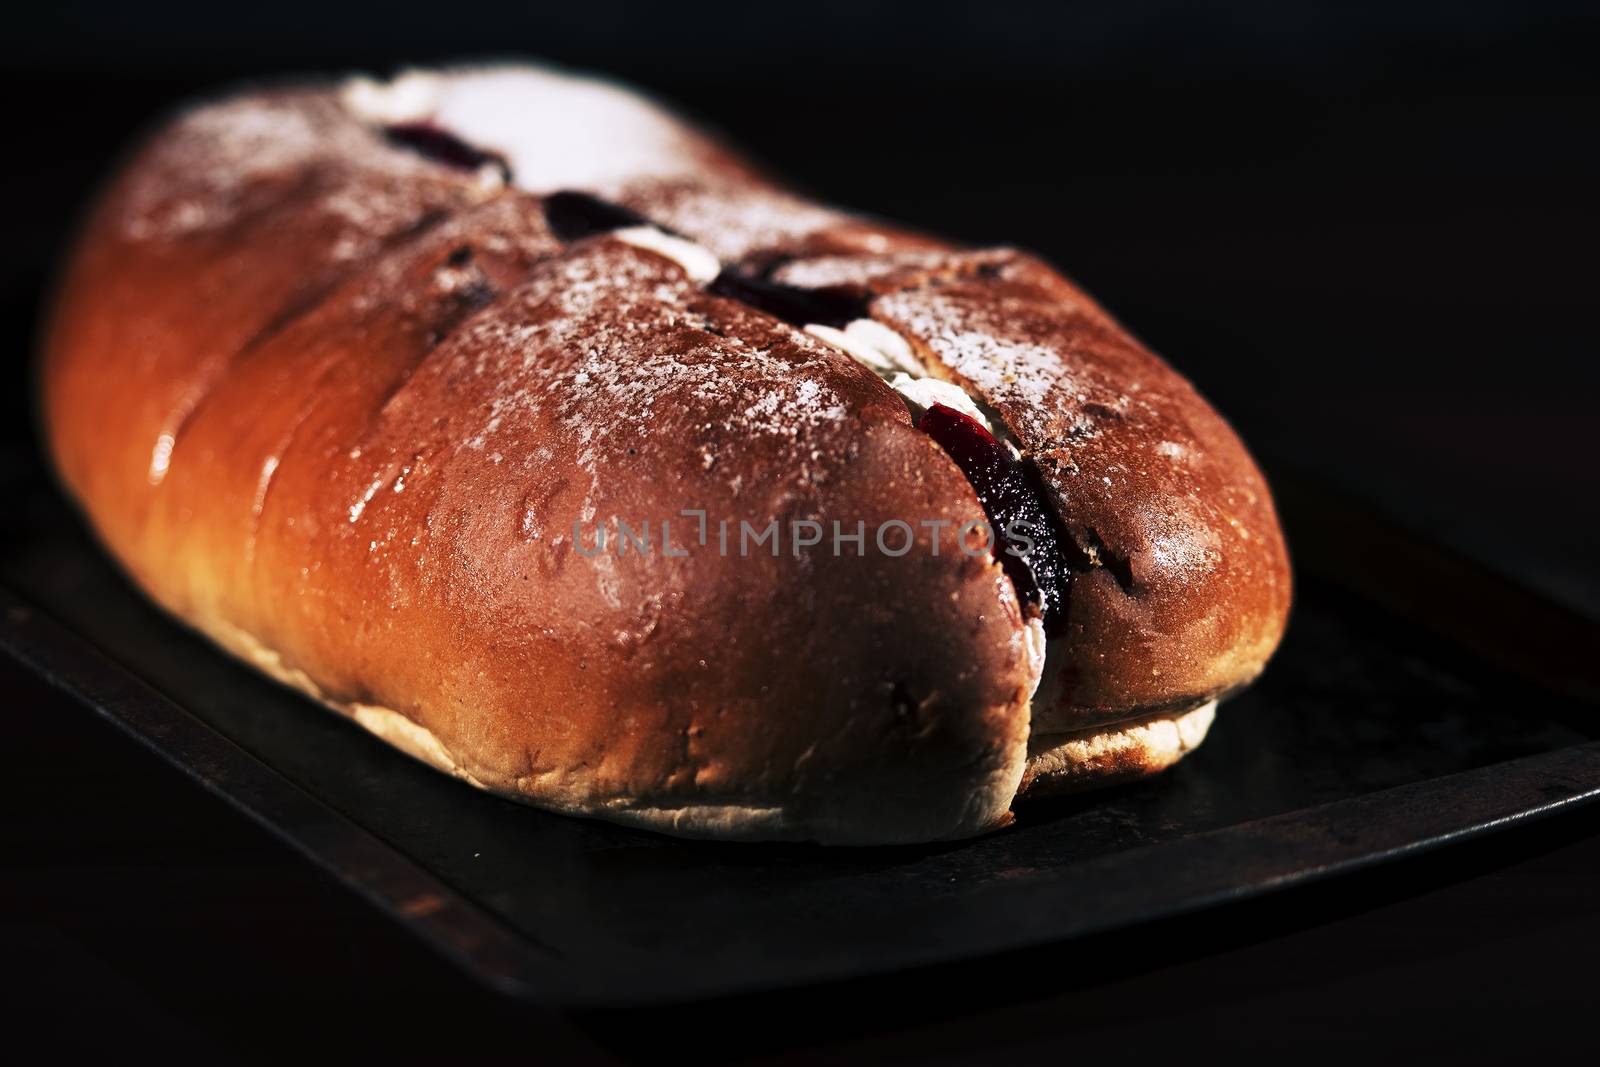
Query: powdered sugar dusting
(605,342)
(822,272)
(1019,376)
(1126,447)
(731,217)
(200,173)
(204,160)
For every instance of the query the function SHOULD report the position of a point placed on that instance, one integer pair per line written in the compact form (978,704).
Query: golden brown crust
(339,407)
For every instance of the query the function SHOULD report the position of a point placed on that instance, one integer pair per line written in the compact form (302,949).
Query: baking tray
(1416,700)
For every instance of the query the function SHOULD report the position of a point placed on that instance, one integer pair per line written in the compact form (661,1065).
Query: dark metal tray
(1416,701)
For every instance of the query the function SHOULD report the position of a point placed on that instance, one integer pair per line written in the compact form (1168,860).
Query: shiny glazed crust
(339,406)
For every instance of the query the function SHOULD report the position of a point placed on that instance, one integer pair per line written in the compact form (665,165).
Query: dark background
(1368,232)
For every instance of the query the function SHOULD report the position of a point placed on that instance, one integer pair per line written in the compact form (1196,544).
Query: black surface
(1356,739)
(141,914)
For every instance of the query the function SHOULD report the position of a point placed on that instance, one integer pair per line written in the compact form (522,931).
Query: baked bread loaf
(529,427)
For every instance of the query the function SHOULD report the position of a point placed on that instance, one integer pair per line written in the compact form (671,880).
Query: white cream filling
(890,357)
(555,130)
(873,344)
(923,393)
(412,97)
(697,262)
(1035,645)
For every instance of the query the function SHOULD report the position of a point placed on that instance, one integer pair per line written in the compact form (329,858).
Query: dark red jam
(442,146)
(1014,503)
(574,216)
(796,306)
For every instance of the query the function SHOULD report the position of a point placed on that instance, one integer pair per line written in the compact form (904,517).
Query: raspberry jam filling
(574,216)
(1014,503)
(442,146)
